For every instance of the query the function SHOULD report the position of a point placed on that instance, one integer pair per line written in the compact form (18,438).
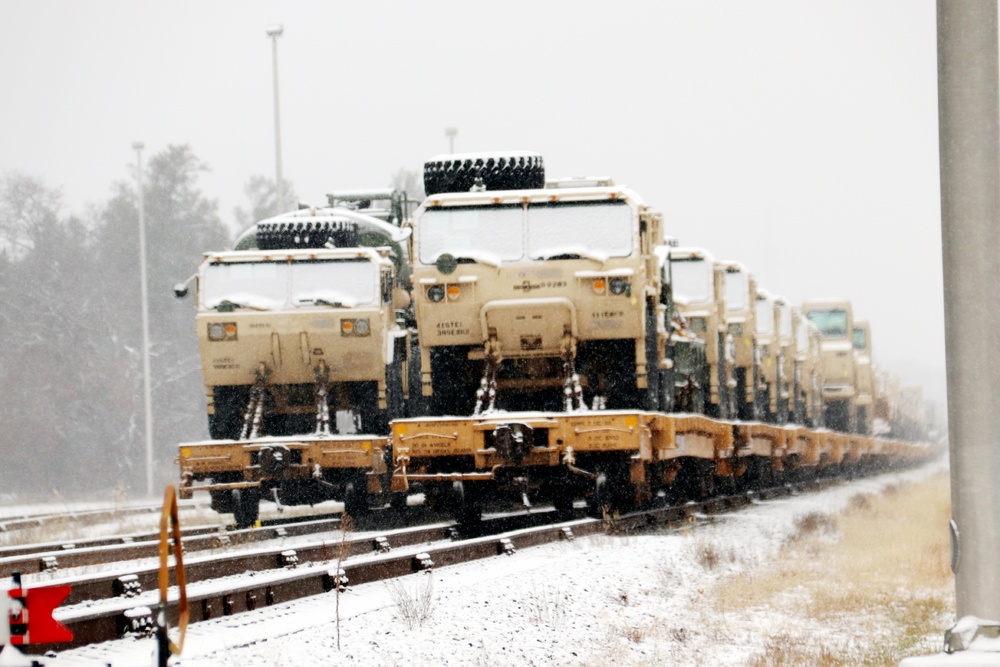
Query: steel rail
(71,555)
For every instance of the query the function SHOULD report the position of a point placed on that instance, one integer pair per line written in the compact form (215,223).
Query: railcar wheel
(699,479)
(246,506)
(468,506)
(563,503)
(600,500)
(222,502)
(355,500)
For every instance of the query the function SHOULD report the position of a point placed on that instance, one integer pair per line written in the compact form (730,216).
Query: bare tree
(262,195)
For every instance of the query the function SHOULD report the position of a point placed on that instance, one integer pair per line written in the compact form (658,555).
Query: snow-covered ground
(593,601)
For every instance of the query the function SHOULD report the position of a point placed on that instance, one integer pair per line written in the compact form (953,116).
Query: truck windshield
(499,233)
(765,316)
(587,229)
(471,231)
(784,320)
(801,335)
(692,280)
(272,285)
(737,291)
(832,323)
(859,339)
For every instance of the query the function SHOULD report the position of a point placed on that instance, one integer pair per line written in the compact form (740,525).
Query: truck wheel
(246,506)
(227,422)
(454,391)
(416,403)
(506,171)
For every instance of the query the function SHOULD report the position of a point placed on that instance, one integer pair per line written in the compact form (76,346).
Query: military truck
(288,336)
(769,351)
(786,365)
(532,294)
(862,339)
(835,321)
(304,347)
(299,320)
(741,320)
(807,360)
(700,295)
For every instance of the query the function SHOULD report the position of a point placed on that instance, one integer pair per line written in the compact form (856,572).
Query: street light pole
(146,381)
(274,31)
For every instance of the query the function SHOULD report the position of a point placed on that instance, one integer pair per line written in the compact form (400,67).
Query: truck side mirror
(180,290)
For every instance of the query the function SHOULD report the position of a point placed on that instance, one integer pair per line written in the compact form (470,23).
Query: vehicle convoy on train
(299,336)
(475,270)
(559,350)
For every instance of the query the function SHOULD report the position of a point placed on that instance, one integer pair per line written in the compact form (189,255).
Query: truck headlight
(358,327)
(221,331)
(435,293)
(618,285)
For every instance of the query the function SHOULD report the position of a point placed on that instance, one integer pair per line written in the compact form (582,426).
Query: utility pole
(969,126)
(274,31)
(144,298)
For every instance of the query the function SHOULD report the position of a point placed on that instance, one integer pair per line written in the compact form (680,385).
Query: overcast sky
(797,137)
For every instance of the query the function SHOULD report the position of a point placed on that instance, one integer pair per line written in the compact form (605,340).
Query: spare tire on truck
(520,170)
(308,234)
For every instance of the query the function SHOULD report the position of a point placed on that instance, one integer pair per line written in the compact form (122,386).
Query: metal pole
(146,380)
(274,32)
(450,132)
(969,120)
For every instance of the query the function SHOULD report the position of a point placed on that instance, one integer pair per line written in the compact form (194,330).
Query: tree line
(71,412)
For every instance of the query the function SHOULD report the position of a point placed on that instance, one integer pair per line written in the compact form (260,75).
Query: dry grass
(545,606)
(415,604)
(881,569)
(786,651)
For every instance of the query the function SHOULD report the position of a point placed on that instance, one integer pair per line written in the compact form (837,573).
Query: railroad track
(107,607)
(13,524)
(53,556)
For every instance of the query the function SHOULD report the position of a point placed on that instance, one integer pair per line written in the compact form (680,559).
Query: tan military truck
(786,365)
(303,350)
(699,293)
(835,321)
(807,386)
(741,319)
(532,294)
(288,337)
(769,351)
(862,340)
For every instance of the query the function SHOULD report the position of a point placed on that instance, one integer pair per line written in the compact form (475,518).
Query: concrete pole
(274,32)
(969,116)
(147,392)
